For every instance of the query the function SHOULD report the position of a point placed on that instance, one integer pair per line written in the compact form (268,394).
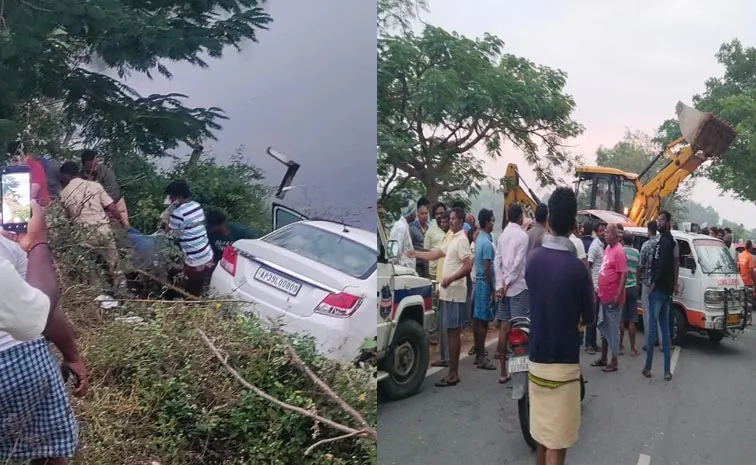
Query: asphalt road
(705,416)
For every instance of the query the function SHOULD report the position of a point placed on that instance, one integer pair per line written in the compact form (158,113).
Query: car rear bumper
(335,338)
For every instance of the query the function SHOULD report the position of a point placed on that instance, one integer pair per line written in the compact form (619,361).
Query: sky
(628,63)
(308,89)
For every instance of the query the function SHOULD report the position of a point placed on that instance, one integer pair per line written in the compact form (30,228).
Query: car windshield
(714,257)
(333,250)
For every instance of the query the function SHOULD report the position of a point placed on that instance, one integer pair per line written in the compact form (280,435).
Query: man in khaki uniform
(453,293)
(87,204)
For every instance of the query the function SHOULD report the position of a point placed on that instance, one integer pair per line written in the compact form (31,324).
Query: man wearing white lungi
(561,296)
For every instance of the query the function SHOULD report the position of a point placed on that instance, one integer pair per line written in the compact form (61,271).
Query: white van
(710,298)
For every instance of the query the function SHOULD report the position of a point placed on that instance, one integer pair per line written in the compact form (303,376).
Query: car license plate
(517,364)
(733,319)
(276,280)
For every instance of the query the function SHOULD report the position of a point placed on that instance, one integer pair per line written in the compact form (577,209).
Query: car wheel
(407,361)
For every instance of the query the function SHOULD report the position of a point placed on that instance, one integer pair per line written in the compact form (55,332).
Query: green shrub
(158,394)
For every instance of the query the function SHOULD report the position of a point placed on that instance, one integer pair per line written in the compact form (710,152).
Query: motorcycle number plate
(517,364)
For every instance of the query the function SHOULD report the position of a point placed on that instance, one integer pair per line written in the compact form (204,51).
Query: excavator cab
(601,188)
(704,137)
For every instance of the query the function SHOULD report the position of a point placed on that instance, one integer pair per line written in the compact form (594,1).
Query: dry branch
(324,387)
(349,432)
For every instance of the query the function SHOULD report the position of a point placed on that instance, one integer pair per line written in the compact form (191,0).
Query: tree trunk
(431,191)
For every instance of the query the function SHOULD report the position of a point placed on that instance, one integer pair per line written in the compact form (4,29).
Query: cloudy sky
(628,63)
(308,88)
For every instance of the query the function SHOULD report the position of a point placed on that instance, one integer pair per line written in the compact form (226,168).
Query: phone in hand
(16,187)
(66,371)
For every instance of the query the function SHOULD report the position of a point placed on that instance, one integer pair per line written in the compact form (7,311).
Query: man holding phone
(32,387)
(20,155)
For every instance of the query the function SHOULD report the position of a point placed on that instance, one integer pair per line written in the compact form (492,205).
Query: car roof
(358,235)
(675,233)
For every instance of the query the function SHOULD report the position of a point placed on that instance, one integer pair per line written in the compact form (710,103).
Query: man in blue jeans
(663,281)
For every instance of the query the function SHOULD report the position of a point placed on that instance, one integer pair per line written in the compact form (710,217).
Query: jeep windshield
(714,257)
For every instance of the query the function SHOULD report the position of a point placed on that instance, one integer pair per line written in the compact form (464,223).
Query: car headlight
(713,297)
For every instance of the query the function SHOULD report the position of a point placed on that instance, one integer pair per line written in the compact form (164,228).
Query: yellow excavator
(704,137)
(516,191)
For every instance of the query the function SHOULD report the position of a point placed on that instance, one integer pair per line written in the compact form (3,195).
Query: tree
(733,98)
(48,49)
(633,154)
(442,95)
(393,14)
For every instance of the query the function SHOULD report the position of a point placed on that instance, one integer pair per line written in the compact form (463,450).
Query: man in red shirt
(19,155)
(611,294)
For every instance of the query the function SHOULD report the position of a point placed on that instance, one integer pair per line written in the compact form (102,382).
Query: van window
(685,253)
(714,257)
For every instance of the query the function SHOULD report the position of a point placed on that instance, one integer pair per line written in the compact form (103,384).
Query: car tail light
(518,337)
(340,305)
(228,261)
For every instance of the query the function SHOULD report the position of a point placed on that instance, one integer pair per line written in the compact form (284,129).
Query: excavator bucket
(704,131)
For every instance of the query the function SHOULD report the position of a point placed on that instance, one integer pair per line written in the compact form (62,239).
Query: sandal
(471,351)
(622,351)
(634,352)
(505,379)
(446,383)
(486,365)
(598,363)
(646,373)
(440,363)
(590,351)
(610,369)
(668,377)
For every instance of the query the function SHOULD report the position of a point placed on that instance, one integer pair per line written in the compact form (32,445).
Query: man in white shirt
(579,246)
(31,385)
(453,292)
(400,232)
(511,289)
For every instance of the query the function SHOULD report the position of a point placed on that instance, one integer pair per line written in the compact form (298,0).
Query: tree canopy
(50,48)
(442,95)
(733,98)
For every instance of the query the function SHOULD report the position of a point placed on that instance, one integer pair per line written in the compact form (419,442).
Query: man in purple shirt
(561,295)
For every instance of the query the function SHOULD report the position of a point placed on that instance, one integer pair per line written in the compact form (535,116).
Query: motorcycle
(517,367)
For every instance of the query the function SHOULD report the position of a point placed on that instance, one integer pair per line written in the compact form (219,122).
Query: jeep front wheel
(407,361)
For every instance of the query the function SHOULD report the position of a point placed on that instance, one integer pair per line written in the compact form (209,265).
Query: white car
(309,276)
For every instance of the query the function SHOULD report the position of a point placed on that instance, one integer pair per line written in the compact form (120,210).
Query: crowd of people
(38,423)
(573,282)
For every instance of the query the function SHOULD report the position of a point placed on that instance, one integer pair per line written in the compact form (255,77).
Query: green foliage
(442,95)
(399,14)
(234,188)
(733,98)
(160,395)
(49,49)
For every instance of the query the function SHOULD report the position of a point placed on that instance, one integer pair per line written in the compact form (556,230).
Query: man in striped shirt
(187,225)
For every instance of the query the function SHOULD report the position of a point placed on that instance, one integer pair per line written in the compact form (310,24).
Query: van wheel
(715,336)
(407,361)
(680,327)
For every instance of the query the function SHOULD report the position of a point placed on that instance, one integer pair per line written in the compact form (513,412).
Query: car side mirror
(392,249)
(689,263)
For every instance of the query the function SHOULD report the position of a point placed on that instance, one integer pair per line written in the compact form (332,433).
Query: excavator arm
(514,189)
(705,137)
